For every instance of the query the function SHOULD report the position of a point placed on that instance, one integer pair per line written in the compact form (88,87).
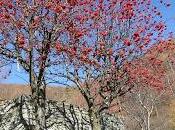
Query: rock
(14,114)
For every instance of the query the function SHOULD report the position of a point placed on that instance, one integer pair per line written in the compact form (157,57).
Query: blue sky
(19,77)
(169,14)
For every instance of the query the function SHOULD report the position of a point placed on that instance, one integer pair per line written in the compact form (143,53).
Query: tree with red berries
(97,59)
(147,75)
(87,43)
(29,32)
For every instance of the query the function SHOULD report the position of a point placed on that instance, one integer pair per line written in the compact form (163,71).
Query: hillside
(68,95)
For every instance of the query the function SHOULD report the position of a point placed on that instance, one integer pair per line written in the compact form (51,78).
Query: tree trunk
(38,99)
(94,120)
(148,121)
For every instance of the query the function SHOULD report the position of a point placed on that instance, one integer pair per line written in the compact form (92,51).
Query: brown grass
(67,95)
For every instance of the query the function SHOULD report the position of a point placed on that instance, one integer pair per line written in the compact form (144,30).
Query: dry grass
(68,95)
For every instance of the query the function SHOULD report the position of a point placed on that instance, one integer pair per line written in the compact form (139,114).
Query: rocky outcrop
(17,114)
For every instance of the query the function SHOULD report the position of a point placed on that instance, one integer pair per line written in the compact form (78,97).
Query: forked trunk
(38,99)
